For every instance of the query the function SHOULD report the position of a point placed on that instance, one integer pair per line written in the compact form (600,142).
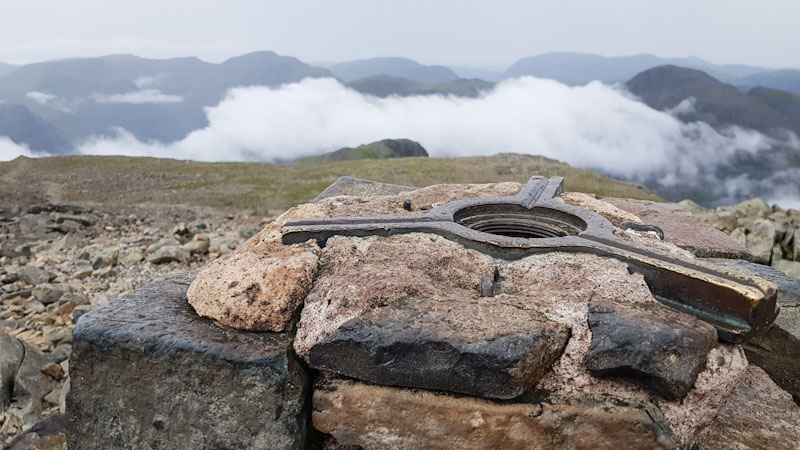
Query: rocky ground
(59,261)
(772,234)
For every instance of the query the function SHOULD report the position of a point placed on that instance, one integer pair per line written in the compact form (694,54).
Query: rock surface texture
(473,346)
(650,344)
(54,269)
(415,341)
(778,351)
(257,287)
(148,373)
(382,417)
(683,229)
(757,414)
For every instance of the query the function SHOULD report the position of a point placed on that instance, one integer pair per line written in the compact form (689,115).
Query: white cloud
(41,98)
(686,107)
(594,126)
(591,126)
(147,81)
(10,150)
(139,97)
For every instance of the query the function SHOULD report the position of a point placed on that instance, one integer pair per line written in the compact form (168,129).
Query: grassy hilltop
(119,182)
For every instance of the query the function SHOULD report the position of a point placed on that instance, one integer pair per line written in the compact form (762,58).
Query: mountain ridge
(384,149)
(398,67)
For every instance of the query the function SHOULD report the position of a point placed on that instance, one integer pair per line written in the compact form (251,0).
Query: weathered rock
(258,287)
(760,240)
(198,245)
(181,233)
(52,369)
(35,275)
(168,253)
(47,293)
(146,372)
(684,229)
(649,344)
(361,274)
(473,346)
(60,336)
(722,220)
(757,414)
(790,268)
(69,241)
(11,354)
(132,257)
(83,220)
(754,207)
(778,351)
(31,384)
(739,236)
(384,417)
(359,188)
(691,206)
(79,312)
(796,244)
(48,434)
(588,201)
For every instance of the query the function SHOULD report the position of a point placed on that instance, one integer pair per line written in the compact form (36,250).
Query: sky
(484,34)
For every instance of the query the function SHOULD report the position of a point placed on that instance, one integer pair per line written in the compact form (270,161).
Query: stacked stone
(771,234)
(400,346)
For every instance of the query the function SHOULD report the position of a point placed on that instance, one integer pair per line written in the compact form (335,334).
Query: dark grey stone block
(147,372)
(650,344)
(440,345)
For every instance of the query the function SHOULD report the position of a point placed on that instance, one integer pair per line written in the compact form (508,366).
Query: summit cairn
(453,316)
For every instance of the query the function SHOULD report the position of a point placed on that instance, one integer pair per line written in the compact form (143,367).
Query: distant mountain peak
(717,103)
(392,66)
(387,148)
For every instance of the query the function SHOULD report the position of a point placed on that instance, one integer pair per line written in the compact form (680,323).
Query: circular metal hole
(518,222)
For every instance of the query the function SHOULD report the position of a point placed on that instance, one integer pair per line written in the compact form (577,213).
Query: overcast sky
(460,32)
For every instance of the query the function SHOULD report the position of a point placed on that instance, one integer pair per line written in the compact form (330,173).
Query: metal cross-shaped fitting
(532,222)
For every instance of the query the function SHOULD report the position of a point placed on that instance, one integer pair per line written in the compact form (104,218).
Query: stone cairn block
(147,372)
(416,341)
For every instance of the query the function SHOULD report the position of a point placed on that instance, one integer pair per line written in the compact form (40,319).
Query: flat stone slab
(377,417)
(649,344)
(683,229)
(359,188)
(472,346)
(757,414)
(147,372)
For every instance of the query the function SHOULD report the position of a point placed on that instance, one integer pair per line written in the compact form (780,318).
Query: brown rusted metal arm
(532,222)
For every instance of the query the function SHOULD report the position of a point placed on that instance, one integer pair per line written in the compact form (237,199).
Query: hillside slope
(719,104)
(581,68)
(6,68)
(787,103)
(116,181)
(154,99)
(784,79)
(385,149)
(22,126)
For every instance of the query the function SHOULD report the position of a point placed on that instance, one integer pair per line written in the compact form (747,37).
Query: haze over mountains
(742,119)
